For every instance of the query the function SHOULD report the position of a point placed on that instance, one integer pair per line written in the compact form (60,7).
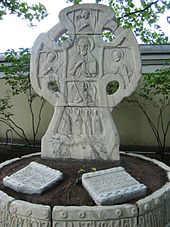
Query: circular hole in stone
(107,36)
(112,87)
(53,85)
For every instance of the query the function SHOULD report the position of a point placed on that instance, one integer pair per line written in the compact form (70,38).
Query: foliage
(78,179)
(74,1)
(140,16)
(18,71)
(22,9)
(17,78)
(83,170)
(155,90)
(112,87)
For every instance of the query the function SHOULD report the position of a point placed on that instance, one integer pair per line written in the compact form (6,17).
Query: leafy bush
(155,91)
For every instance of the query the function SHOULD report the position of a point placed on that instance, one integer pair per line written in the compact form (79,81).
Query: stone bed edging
(151,211)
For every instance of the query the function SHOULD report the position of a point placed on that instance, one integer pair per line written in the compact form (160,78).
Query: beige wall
(133,126)
(22,116)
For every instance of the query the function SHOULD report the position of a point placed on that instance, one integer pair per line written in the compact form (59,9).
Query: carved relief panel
(71,67)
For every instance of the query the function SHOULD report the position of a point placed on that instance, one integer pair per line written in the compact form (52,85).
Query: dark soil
(9,152)
(70,192)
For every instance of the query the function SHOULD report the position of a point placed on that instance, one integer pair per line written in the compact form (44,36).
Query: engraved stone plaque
(71,67)
(112,186)
(33,179)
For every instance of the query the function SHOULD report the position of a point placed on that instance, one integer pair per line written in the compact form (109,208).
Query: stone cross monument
(71,67)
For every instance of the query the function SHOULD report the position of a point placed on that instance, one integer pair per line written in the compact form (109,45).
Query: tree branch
(138,11)
(13,128)
(154,129)
(39,115)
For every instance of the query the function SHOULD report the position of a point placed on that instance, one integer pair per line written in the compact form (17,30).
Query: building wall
(131,123)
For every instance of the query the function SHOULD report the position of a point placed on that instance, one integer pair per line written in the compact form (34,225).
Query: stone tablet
(33,179)
(112,186)
(72,67)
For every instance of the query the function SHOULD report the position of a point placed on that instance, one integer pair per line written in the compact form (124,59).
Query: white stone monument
(71,67)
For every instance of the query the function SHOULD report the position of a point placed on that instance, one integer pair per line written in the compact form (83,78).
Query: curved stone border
(99,216)
(152,211)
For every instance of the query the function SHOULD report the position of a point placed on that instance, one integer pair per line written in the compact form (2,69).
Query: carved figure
(51,66)
(83,63)
(84,22)
(87,124)
(77,122)
(96,122)
(50,70)
(120,67)
(83,92)
(65,126)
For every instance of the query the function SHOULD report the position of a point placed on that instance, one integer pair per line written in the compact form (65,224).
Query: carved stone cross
(71,67)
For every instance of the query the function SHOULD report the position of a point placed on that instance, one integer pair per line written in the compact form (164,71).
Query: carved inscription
(111,182)
(112,185)
(34,178)
(125,222)
(156,214)
(9,219)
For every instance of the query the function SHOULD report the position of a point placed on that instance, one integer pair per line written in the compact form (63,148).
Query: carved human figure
(87,92)
(83,63)
(83,92)
(65,126)
(51,71)
(87,124)
(77,122)
(120,67)
(51,65)
(83,22)
(96,122)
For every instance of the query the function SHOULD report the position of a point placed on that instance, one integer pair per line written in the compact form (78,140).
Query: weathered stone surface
(167,202)
(73,76)
(31,155)
(107,216)
(33,179)
(154,209)
(168,175)
(112,186)
(5,202)
(24,214)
